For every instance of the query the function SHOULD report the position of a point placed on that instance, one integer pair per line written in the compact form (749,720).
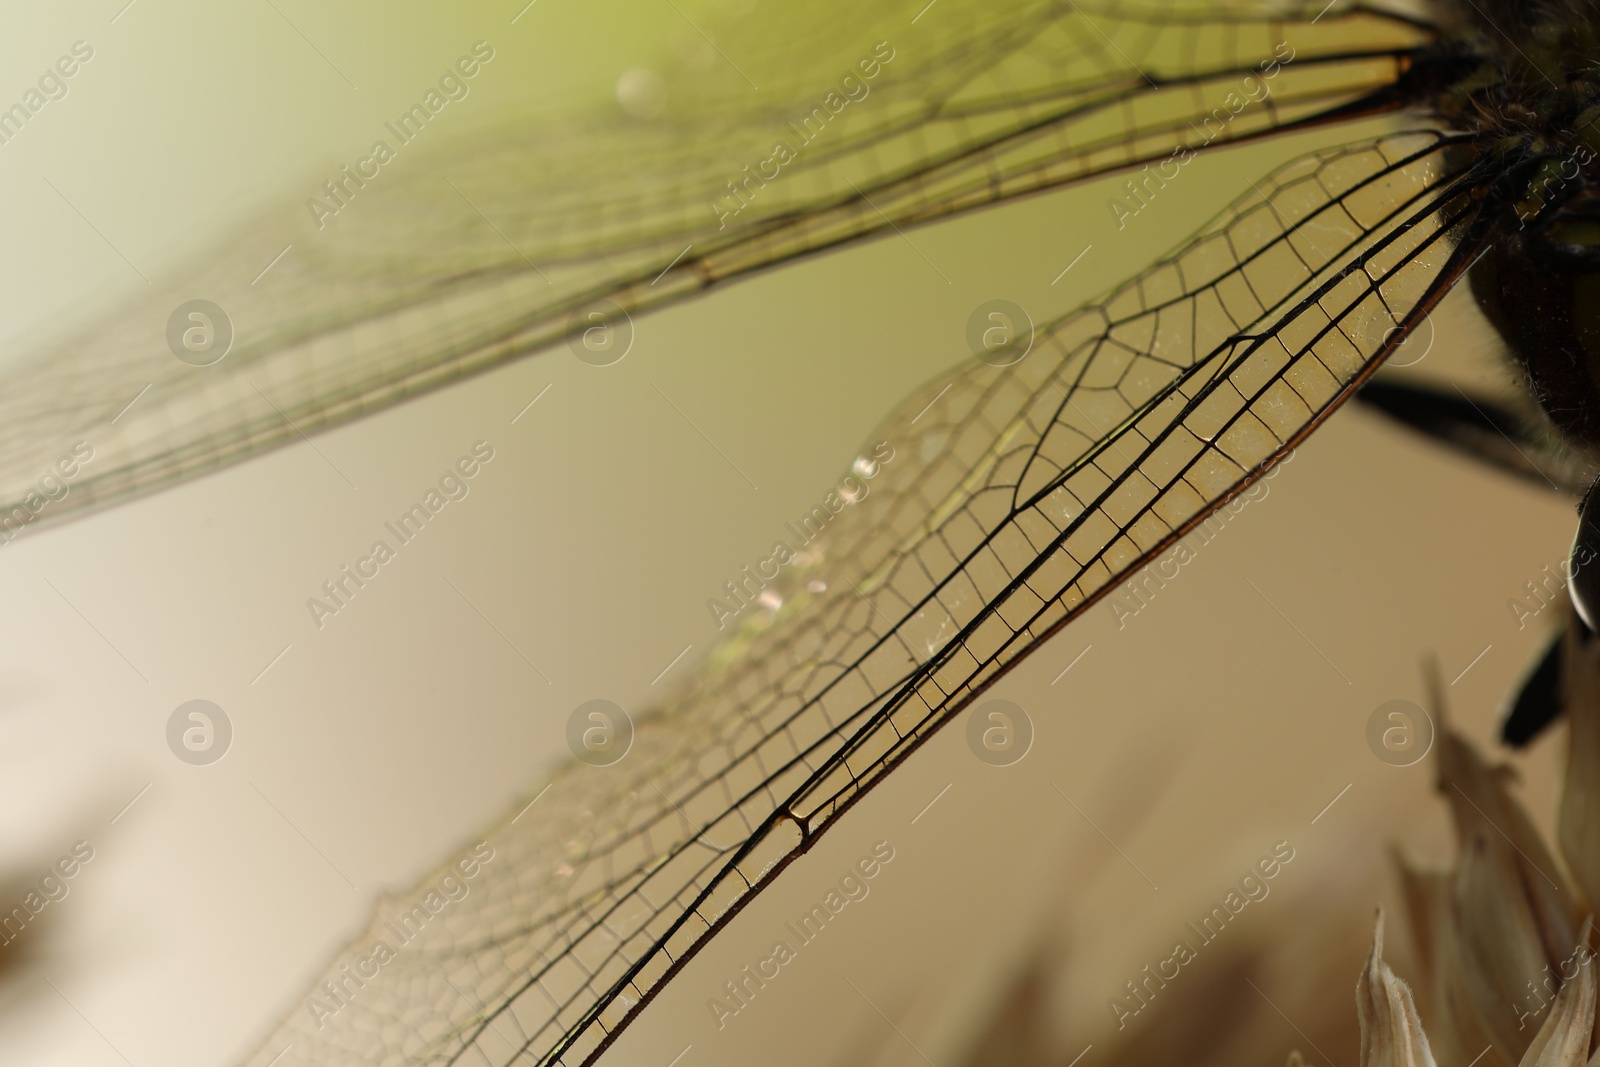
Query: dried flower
(1391,1031)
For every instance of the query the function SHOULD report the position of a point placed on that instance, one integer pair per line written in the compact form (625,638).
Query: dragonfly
(1027,482)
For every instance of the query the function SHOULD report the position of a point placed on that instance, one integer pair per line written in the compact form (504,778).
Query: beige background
(1194,738)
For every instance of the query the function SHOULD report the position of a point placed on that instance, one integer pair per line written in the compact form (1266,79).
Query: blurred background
(1223,718)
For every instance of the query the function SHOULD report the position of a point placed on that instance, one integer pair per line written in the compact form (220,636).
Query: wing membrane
(1019,495)
(484,250)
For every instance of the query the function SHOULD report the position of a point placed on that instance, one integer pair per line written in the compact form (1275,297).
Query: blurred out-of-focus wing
(463,252)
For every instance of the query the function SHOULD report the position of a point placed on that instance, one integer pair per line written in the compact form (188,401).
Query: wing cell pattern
(1019,495)
(488,248)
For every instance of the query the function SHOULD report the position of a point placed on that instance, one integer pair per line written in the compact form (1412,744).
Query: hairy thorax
(1532,100)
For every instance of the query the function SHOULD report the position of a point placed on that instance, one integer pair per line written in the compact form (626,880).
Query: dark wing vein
(1019,497)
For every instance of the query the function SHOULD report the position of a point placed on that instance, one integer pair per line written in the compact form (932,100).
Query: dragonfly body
(1534,103)
(1526,90)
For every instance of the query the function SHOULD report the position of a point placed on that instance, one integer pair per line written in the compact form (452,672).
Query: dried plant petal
(1514,915)
(1391,1031)
(1563,1040)
(1578,823)
(1426,894)
(1430,910)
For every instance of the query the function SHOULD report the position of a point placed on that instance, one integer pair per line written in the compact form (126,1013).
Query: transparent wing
(1016,497)
(470,252)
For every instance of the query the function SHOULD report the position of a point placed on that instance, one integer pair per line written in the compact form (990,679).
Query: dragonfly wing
(477,250)
(1004,502)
